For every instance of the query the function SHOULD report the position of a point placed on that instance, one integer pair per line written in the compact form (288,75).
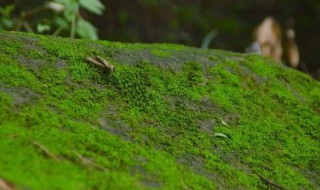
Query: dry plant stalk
(272,183)
(45,150)
(87,162)
(99,61)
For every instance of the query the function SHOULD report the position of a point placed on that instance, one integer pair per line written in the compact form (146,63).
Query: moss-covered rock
(169,117)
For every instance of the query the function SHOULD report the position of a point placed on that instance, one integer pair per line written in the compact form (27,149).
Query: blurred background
(169,21)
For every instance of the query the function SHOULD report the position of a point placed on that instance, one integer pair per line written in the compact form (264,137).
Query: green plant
(64,18)
(5,20)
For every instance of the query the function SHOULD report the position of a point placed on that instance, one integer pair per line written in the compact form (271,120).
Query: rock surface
(169,117)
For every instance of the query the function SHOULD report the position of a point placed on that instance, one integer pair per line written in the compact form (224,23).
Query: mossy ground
(153,122)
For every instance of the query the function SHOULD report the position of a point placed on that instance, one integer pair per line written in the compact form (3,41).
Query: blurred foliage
(185,22)
(6,21)
(188,22)
(64,17)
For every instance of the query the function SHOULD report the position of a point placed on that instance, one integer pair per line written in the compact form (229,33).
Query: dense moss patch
(153,123)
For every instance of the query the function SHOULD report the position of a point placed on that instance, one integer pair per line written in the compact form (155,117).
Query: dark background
(189,21)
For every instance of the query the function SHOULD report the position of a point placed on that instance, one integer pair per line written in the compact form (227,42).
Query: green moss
(152,123)
(12,46)
(160,53)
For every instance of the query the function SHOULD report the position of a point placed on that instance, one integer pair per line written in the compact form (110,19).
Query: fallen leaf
(220,135)
(224,123)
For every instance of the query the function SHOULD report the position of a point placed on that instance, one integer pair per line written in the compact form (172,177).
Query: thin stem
(27,26)
(73,26)
(57,32)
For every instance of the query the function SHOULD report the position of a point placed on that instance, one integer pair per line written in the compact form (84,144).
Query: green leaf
(71,9)
(86,30)
(63,23)
(7,23)
(43,28)
(94,6)
(70,5)
(224,123)
(69,15)
(7,10)
(220,135)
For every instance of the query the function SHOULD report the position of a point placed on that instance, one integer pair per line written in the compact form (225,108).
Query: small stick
(45,150)
(272,183)
(94,62)
(88,162)
(27,26)
(73,26)
(106,64)
(101,63)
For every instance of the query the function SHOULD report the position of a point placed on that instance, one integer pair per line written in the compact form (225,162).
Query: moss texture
(169,117)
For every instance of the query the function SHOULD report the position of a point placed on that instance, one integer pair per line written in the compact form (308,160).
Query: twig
(27,26)
(29,14)
(94,62)
(73,26)
(45,150)
(101,63)
(272,183)
(106,63)
(35,11)
(208,38)
(87,162)
(57,32)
